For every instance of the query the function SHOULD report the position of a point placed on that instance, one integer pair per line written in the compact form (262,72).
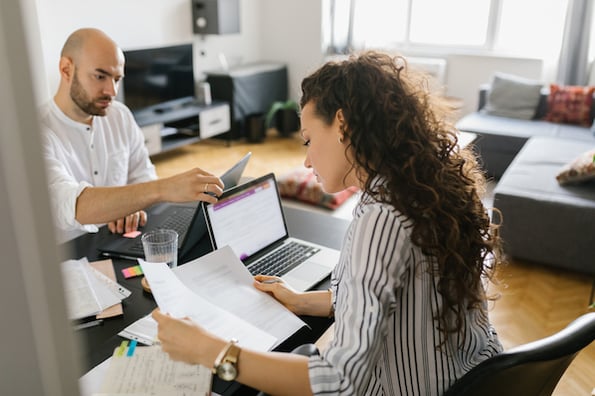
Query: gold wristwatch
(226,363)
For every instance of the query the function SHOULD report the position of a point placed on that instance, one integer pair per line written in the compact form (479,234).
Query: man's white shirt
(110,152)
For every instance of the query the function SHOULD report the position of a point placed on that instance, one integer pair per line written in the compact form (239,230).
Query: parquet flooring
(535,301)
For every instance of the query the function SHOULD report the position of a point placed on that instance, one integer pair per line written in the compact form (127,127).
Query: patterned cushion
(579,170)
(301,184)
(570,104)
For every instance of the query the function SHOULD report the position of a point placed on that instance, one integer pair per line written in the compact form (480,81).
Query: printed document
(216,290)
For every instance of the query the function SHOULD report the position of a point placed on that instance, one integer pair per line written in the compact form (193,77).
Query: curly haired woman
(408,292)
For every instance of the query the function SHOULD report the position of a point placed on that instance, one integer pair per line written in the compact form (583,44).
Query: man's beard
(80,97)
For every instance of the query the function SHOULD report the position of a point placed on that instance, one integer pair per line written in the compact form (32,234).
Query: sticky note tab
(131,348)
(132,271)
(131,234)
(121,348)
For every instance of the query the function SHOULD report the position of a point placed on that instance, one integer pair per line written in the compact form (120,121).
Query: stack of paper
(87,290)
(216,291)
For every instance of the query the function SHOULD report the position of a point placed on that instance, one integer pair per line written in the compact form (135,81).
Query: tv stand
(175,123)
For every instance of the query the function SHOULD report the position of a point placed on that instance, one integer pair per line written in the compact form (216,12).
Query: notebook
(249,218)
(185,218)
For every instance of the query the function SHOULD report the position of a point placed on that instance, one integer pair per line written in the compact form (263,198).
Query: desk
(98,343)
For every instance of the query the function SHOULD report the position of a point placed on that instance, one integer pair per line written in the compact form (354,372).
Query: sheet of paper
(106,269)
(143,330)
(86,290)
(91,381)
(221,278)
(81,300)
(173,297)
(106,296)
(150,371)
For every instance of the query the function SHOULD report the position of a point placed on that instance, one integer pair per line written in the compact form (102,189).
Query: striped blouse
(385,339)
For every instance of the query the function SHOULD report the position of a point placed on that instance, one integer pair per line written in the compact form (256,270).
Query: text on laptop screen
(248,220)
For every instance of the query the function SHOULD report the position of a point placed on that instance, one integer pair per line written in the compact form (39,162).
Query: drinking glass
(161,246)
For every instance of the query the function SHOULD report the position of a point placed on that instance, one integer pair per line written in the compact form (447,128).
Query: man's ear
(66,68)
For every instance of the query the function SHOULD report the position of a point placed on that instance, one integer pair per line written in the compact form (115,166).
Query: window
(532,28)
(444,23)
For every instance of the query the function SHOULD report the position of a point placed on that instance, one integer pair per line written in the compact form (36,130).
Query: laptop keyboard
(283,260)
(178,221)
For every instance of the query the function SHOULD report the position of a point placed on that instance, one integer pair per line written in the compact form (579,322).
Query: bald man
(98,167)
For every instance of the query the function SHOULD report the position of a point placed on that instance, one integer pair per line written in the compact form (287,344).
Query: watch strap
(232,354)
(223,354)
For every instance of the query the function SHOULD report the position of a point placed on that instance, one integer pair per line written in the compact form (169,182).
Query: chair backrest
(532,369)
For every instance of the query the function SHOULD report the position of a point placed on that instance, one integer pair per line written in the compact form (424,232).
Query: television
(156,75)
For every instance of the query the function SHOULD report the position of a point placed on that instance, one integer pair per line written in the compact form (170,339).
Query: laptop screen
(248,218)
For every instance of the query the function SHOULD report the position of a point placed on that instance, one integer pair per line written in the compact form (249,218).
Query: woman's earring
(341,139)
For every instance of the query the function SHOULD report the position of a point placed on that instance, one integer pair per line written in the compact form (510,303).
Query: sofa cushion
(580,169)
(570,104)
(513,96)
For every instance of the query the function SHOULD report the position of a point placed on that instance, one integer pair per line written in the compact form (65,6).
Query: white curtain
(341,26)
(573,65)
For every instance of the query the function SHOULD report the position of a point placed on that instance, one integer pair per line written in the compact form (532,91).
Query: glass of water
(161,246)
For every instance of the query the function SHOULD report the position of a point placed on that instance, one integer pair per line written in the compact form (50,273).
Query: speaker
(216,16)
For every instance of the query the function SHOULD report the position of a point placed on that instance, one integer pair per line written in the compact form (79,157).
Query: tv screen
(156,75)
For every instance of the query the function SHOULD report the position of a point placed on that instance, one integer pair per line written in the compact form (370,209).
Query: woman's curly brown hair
(400,132)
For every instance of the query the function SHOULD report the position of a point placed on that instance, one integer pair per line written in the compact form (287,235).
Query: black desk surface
(98,342)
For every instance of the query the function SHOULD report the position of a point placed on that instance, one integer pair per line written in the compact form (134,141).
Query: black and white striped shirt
(386,301)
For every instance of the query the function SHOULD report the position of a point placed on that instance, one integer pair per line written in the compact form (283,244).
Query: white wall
(291,33)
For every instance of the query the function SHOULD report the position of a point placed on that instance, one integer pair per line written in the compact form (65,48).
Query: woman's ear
(341,125)
(339,117)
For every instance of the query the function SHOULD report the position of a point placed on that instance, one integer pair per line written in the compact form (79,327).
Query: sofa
(548,211)
(501,138)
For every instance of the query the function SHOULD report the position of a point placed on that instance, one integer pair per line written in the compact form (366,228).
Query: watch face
(227,371)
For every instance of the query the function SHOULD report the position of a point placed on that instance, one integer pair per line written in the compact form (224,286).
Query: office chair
(532,369)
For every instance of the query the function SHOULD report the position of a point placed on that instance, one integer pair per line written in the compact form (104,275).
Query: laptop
(185,218)
(249,218)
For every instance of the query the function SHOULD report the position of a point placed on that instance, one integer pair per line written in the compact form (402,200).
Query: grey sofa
(543,222)
(501,138)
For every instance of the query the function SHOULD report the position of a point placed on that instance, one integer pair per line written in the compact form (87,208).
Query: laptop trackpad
(306,275)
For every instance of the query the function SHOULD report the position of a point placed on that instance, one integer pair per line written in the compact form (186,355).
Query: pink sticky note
(131,234)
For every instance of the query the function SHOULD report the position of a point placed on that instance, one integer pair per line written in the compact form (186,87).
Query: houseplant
(283,116)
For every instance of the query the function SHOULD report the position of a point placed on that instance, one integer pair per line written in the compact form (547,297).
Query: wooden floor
(535,301)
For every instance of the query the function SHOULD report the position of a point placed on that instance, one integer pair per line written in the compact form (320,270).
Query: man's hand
(129,223)
(193,185)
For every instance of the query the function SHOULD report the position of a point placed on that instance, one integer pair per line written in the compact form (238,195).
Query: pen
(85,325)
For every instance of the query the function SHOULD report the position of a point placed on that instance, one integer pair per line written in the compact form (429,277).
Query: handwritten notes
(150,371)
